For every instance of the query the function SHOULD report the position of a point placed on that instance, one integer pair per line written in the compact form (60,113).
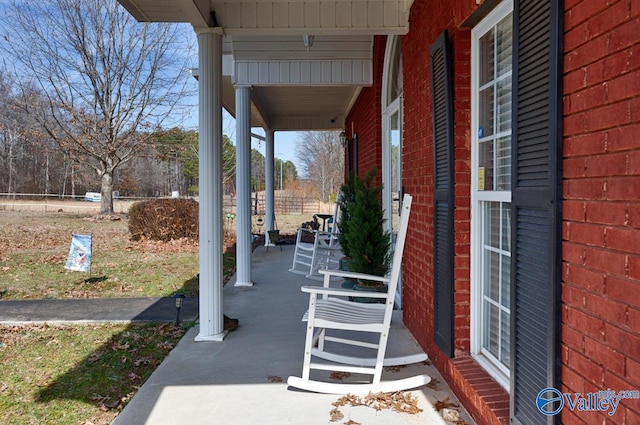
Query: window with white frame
(392,141)
(491,67)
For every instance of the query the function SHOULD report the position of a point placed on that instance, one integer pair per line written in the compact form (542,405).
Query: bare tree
(109,80)
(322,158)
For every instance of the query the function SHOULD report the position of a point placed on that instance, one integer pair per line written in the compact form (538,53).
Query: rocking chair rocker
(330,311)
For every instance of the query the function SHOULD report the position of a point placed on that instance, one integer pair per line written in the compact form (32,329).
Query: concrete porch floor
(242,380)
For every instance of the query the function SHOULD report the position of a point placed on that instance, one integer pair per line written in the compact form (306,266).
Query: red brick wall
(601,208)
(601,190)
(366,116)
(486,401)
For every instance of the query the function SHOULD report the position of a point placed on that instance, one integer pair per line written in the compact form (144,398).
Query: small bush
(164,219)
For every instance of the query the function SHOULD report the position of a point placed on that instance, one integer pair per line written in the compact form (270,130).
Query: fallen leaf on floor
(400,401)
(434,384)
(273,378)
(335,415)
(94,357)
(394,369)
(439,405)
(451,415)
(339,375)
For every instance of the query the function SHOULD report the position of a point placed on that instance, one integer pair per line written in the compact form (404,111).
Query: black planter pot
(368,288)
(348,282)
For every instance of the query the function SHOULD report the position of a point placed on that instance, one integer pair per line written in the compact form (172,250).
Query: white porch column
(269,185)
(210,184)
(243,186)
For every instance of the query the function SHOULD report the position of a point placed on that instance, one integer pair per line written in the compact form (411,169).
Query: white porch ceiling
(294,86)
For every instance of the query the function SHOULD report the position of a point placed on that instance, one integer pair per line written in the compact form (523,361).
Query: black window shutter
(442,96)
(535,214)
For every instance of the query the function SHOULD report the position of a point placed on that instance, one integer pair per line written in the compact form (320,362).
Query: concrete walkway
(241,380)
(91,310)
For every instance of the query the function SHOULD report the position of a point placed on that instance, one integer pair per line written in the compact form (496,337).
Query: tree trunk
(106,192)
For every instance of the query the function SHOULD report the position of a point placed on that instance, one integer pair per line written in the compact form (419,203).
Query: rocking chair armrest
(321,290)
(353,275)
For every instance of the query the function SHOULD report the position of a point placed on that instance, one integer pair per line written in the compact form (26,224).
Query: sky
(285,142)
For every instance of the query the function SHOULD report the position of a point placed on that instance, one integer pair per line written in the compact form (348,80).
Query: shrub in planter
(369,245)
(347,195)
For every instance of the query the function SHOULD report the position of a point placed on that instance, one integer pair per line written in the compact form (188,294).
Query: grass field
(34,247)
(85,375)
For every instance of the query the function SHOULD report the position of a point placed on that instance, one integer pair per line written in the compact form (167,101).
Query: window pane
(485,162)
(486,113)
(503,157)
(395,79)
(505,290)
(491,338)
(504,39)
(506,226)
(503,100)
(486,65)
(505,319)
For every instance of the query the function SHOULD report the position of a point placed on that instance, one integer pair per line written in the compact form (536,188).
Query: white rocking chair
(323,253)
(332,311)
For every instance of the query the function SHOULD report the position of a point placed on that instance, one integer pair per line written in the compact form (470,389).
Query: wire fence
(283,204)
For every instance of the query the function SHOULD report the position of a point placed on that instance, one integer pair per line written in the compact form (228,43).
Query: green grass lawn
(84,375)
(77,374)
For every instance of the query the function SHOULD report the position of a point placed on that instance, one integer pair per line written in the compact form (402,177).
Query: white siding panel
(249,15)
(305,72)
(312,15)
(343,15)
(316,72)
(328,15)
(241,72)
(295,72)
(359,14)
(264,72)
(336,71)
(326,73)
(254,72)
(347,71)
(296,15)
(240,16)
(233,15)
(265,15)
(391,14)
(280,15)
(274,72)
(354,72)
(284,75)
(375,14)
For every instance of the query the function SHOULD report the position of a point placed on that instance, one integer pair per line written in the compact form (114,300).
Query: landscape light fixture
(179,298)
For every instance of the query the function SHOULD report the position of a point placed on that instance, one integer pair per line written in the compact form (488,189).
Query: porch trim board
(307,72)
